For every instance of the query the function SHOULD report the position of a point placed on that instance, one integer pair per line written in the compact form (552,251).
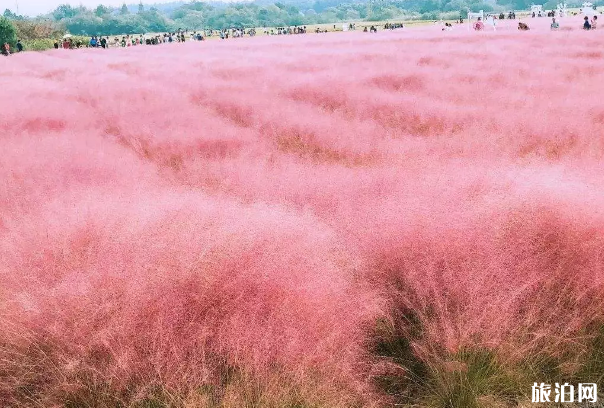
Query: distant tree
(258,13)
(199,6)
(460,6)
(191,19)
(155,21)
(521,4)
(320,5)
(64,11)
(36,29)
(101,10)
(10,15)
(85,24)
(351,15)
(428,6)
(7,32)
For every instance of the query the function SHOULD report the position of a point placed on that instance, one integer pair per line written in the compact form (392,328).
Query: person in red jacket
(479,25)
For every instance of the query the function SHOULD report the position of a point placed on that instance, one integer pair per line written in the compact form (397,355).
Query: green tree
(155,21)
(11,16)
(351,15)
(85,24)
(8,33)
(124,10)
(141,8)
(64,11)
(101,10)
(521,4)
(191,19)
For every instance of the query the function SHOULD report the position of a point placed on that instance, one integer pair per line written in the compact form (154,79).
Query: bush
(36,30)
(430,16)
(7,32)
(38,45)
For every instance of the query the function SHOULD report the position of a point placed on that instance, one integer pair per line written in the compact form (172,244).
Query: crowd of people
(181,35)
(522,26)
(177,37)
(393,26)
(286,30)
(126,41)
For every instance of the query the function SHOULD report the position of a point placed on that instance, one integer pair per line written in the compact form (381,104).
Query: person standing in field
(594,22)
(479,25)
(555,25)
(104,43)
(19,46)
(586,25)
(6,49)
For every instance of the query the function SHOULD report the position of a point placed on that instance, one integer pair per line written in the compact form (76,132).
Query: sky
(36,7)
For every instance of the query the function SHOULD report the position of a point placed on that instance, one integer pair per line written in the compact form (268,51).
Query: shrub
(7,32)
(36,30)
(38,44)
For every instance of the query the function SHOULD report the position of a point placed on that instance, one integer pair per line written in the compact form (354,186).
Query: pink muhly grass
(232,218)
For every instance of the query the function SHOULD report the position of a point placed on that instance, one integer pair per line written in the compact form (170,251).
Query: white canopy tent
(562,10)
(587,9)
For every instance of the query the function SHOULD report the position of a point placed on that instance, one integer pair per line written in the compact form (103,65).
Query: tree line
(104,20)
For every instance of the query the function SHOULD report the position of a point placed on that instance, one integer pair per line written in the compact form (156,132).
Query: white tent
(562,10)
(587,9)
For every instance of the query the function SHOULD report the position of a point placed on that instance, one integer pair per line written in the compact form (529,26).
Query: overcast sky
(35,7)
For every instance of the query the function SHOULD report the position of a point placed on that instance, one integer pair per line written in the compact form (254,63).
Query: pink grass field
(222,224)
